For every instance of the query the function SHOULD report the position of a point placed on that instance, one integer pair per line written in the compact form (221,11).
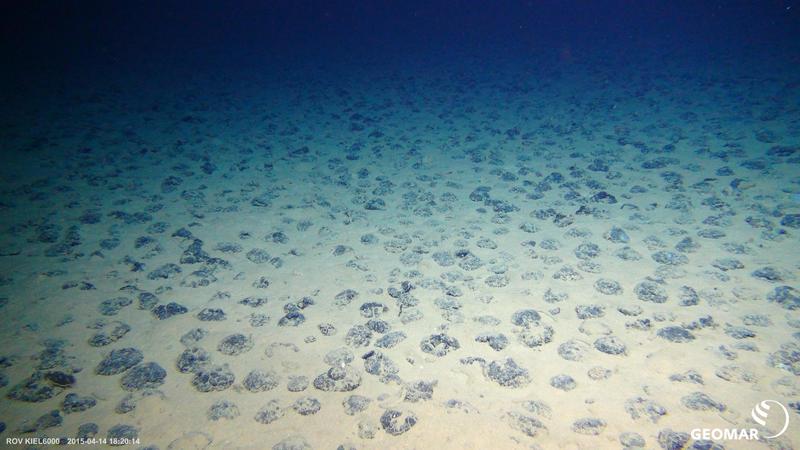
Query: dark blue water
(80,37)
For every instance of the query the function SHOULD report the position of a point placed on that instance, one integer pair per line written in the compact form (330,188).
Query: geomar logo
(761,412)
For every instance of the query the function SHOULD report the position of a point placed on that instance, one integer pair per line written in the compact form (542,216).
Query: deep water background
(59,39)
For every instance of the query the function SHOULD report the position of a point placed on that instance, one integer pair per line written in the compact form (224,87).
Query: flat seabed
(460,261)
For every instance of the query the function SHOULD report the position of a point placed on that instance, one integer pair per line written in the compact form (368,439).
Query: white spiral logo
(761,411)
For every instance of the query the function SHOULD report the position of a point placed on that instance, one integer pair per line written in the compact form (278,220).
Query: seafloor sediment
(495,256)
